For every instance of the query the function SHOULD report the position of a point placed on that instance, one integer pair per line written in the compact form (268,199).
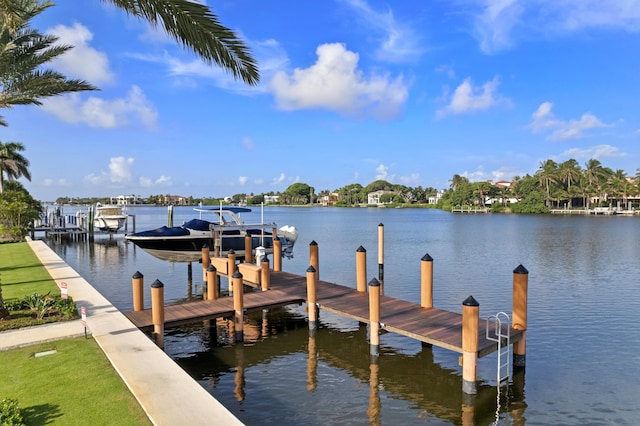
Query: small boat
(226,232)
(109,217)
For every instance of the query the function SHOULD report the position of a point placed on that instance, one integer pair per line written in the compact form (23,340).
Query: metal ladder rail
(501,334)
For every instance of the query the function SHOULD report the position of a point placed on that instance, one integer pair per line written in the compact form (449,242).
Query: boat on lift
(226,231)
(110,217)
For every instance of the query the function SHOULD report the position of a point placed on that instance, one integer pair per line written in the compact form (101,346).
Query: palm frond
(194,26)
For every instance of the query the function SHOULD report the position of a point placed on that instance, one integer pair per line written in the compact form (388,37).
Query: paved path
(167,393)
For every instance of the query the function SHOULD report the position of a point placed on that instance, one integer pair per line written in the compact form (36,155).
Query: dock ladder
(498,330)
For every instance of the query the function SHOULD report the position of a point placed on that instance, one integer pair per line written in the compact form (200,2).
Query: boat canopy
(232,209)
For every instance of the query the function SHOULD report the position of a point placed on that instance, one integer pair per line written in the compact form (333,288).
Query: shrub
(10,414)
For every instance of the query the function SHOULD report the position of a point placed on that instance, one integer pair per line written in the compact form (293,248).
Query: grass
(22,274)
(76,385)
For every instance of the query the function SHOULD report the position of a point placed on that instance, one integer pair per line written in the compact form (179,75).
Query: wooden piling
(265,274)
(314,258)
(312,298)
(137,282)
(470,331)
(426,281)
(216,243)
(361,269)
(248,253)
(520,291)
(157,311)
(277,254)
(212,283)
(374,317)
(238,306)
(206,261)
(231,268)
(381,253)
(169,216)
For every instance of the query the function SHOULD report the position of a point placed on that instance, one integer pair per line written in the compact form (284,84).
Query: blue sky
(351,91)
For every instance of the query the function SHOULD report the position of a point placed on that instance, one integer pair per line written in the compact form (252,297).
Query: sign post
(64,293)
(83,312)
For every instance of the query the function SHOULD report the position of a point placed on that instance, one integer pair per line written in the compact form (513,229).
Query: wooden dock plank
(430,325)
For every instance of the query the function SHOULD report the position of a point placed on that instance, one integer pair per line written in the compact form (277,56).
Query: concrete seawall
(168,395)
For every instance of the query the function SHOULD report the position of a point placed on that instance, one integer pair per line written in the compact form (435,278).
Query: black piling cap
(137,275)
(157,284)
(311,269)
(236,274)
(211,268)
(380,224)
(427,258)
(265,258)
(470,301)
(313,243)
(231,251)
(205,246)
(361,249)
(520,270)
(374,283)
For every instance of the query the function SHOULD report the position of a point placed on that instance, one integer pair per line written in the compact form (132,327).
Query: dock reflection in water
(242,376)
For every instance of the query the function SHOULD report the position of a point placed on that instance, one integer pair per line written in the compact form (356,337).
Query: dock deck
(433,326)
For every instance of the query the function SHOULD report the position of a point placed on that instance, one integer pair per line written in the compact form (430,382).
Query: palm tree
(194,26)
(569,172)
(594,174)
(12,163)
(547,175)
(23,53)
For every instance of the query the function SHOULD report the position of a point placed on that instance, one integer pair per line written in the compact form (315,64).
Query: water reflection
(283,336)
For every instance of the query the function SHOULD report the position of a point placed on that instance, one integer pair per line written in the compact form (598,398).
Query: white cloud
(147,182)
(543,119)
(120,169)
(279,179)
(467,98)
(55,182)
(481,175)
(398,41)
(83,61)
(98,112)
(334,83)
(382,172)
(242,180)
(248,143)
(598,151)
(499,24)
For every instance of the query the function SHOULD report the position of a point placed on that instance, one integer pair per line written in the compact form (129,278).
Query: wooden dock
(433,326)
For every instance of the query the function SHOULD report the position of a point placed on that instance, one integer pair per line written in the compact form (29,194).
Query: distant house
(271,199)
(174,200)
(374,197)
(435,198)
(328,199)
(123,200)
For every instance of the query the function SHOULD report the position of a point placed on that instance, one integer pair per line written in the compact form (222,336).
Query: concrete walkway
(167,393)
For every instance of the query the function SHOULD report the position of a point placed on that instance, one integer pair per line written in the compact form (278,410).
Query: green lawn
(22,274)
(76,385)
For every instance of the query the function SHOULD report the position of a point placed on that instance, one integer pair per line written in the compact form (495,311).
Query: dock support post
(314,258)
(216,243)
(231,256)
(520,290)
(169,216)
(381,254)
(157,312)
(374,317)
(238,306)
(137,282)
(470,330)
(312,298)
(426,281)
(212,287)
(206,260)
(277,254)
(361,269)
(248,253)
(265,274)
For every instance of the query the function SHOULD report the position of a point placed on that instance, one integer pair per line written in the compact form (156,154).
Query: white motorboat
(109,217)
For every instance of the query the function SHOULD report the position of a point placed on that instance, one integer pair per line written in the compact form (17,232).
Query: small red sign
(63,290)
(83,312)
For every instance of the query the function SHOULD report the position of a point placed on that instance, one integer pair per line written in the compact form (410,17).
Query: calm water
(583,339)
